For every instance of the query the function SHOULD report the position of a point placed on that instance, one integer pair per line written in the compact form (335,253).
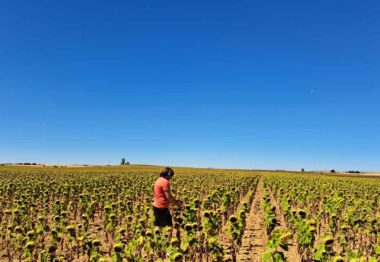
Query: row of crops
(331,218)
(105,214)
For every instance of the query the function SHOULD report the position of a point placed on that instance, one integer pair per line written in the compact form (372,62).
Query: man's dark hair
(167,172)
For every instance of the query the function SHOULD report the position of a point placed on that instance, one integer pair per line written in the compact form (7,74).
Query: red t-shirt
(160,200)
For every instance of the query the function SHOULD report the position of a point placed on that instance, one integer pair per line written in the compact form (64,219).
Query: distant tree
(303,170)
(127,163)
(122,161)
(332,171)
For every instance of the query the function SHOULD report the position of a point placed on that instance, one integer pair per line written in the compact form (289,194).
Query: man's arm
(171,199)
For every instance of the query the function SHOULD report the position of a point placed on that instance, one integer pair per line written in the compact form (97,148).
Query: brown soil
(254,238)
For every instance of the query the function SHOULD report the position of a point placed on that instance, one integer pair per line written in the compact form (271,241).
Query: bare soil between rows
(254,238)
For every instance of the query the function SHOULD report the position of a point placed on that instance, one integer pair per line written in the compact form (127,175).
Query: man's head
(167,173)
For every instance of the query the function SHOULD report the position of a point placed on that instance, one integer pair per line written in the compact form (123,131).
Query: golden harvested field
(105,214)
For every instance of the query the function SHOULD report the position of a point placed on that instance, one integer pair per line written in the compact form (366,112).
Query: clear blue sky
(250,84)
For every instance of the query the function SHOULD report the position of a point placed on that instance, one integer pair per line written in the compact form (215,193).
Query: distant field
(103,213)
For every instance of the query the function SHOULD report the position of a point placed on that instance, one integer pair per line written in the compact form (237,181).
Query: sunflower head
(30,233)
(177,257)
(180,220)
(122,231)
(96,242)
(328,241)
(233,219)
(54,232)
(18,229)
(118,247)
(174,242)
(149,233)
(30,245)
(188,227)
(302,213)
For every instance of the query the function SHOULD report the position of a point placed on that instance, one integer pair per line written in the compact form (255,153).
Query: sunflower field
(105,214)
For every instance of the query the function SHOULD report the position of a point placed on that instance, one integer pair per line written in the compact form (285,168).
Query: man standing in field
(162,199)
